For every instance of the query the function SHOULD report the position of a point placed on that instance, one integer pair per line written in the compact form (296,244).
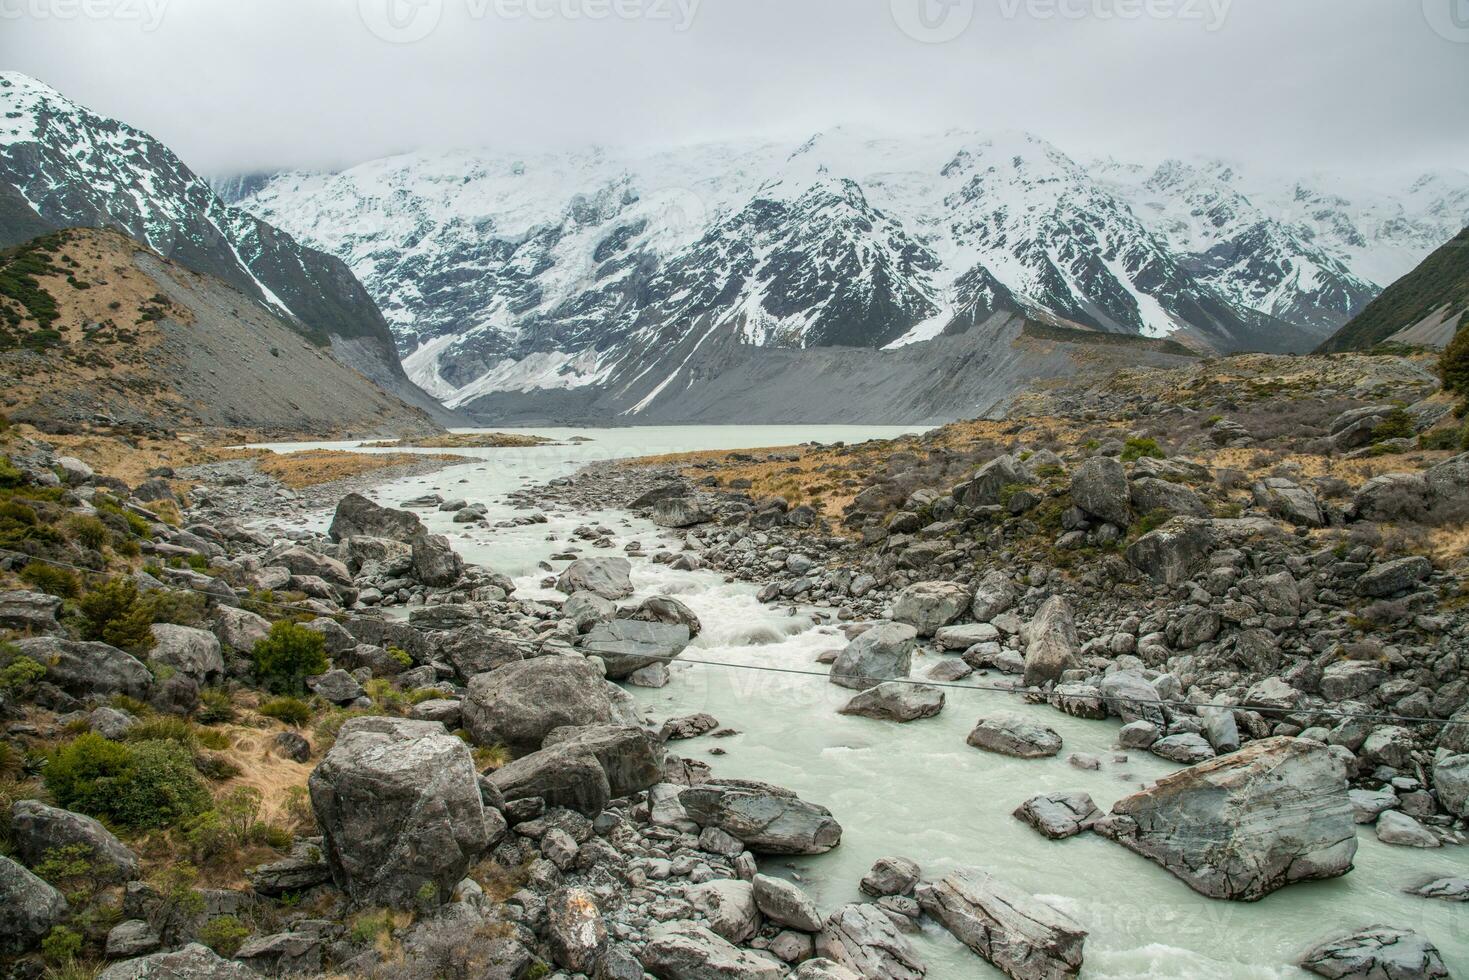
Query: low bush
(51,580)
(224,934)
(20,673)
(138,785)
(114,613)
(1135,449)
(1453,363)
(215,707)
(89,532)
(292,711)
(287,656)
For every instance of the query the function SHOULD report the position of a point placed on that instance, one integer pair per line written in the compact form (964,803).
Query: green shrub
(114,613)
(1397,424)
(9,475)
(1439,439)
(1453,363)
(1135,449)
(224,934)
(140,785)
(89,532)
(181,608)
(404,659)
(215,707)
(20,673)
(287,656)
(292,711)
(61,945)
(52,580)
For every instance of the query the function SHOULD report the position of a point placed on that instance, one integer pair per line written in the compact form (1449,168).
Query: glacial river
(918,790)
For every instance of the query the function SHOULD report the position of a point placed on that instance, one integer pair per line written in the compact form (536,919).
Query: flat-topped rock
(1020,935)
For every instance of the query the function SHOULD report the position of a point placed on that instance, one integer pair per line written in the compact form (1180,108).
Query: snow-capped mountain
(583,272)
(62,165)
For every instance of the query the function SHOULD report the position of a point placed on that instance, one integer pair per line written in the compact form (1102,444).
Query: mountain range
(64,166)
(597,283)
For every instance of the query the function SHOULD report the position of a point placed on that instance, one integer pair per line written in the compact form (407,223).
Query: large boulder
(239,630)
(192,962)
(996,593)
(1099,487)
(629,645)
(435,563)
(587,609)
(1391,497)
(896,701)
(728,905)
(985,487)
(1377,953)
(1020,935)
(1059,815)
(686,951)
(1289,501)
(399,807)
(864,939)
(928,606)
(195,653)
(610,578)
(21,610)
(356,516)
(1448,482)
(784,903)
(1451,782)
(476,649)
(581,768)
(575,930)
(38,830)
(1151,495)
(28,908)
(679,512)
(1175,551)
(881,653)
(1395,576)
(1246,824)
(519,704)
(1013,734)
(86,670)
(1053,648)
(767,819)
(666,609)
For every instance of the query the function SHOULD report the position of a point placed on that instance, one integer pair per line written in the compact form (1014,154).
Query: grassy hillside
(1442,280)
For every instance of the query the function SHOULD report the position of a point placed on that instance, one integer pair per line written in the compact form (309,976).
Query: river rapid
(918,790)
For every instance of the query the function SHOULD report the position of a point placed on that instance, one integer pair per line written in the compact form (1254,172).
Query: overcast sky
(244,85)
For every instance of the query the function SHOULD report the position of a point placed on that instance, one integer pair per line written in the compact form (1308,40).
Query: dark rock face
(768,819)
(521,703)
(1377,951)
(88,669)
(1246,824)
(399,806)
(1173,552)
(435,562)
(356,516)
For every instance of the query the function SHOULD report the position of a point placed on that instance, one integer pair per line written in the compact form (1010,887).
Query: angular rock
(1451,889)
(587,609)
(928,606)
(131,938)
(1377,953)
(38,830)
(473,650)
(632,758)
(574,930)
(435,563)
(1451,782)
(1246,824)
(627,645)
(1396,827)
(685,951)
(283,953)
(729,907)
(1020,935)
(965,636)
(984,488)
(192,962)
(1012,734)
(1394,576)
(21,610)
(666,609)
(1053,648)
(1151,495)
(1289,501)
(1185,747)
(769,819)
(1099,487)
(356,516)
(88,669)
(679,512)
(995,594)
(890,876)
(521,703)
(879,654)
(895,701)
(238,629)
(1174,552)
(29,907)
(785,903)
(610,578)
(1059,815)
(399,807)
(864,939)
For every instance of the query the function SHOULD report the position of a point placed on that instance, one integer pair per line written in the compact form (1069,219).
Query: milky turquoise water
(918,790)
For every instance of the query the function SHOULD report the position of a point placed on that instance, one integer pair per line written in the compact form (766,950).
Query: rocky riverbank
(477,794)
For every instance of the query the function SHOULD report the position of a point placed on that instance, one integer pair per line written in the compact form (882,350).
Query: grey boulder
(1020,935)
(610,578)
(20,610)
(929,606)
(29,907)
(1059,815)
(356,516)
(521,703)
(1099,487)
(38,830)
(768,819)
(896,701)
(881,653)
(399,807)
(1174,552)
(1012,734)
(1053,648)
(1246,824)
(784,903)
(435,563)
(686,951)
(679,512)
(88,669)
(193,962)
(1377,953)
(864,939)
(627,645)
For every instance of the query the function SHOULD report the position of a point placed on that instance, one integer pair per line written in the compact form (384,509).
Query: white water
(918,790)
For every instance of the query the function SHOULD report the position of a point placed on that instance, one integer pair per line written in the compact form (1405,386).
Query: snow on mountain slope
(581,270)
(62,165)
